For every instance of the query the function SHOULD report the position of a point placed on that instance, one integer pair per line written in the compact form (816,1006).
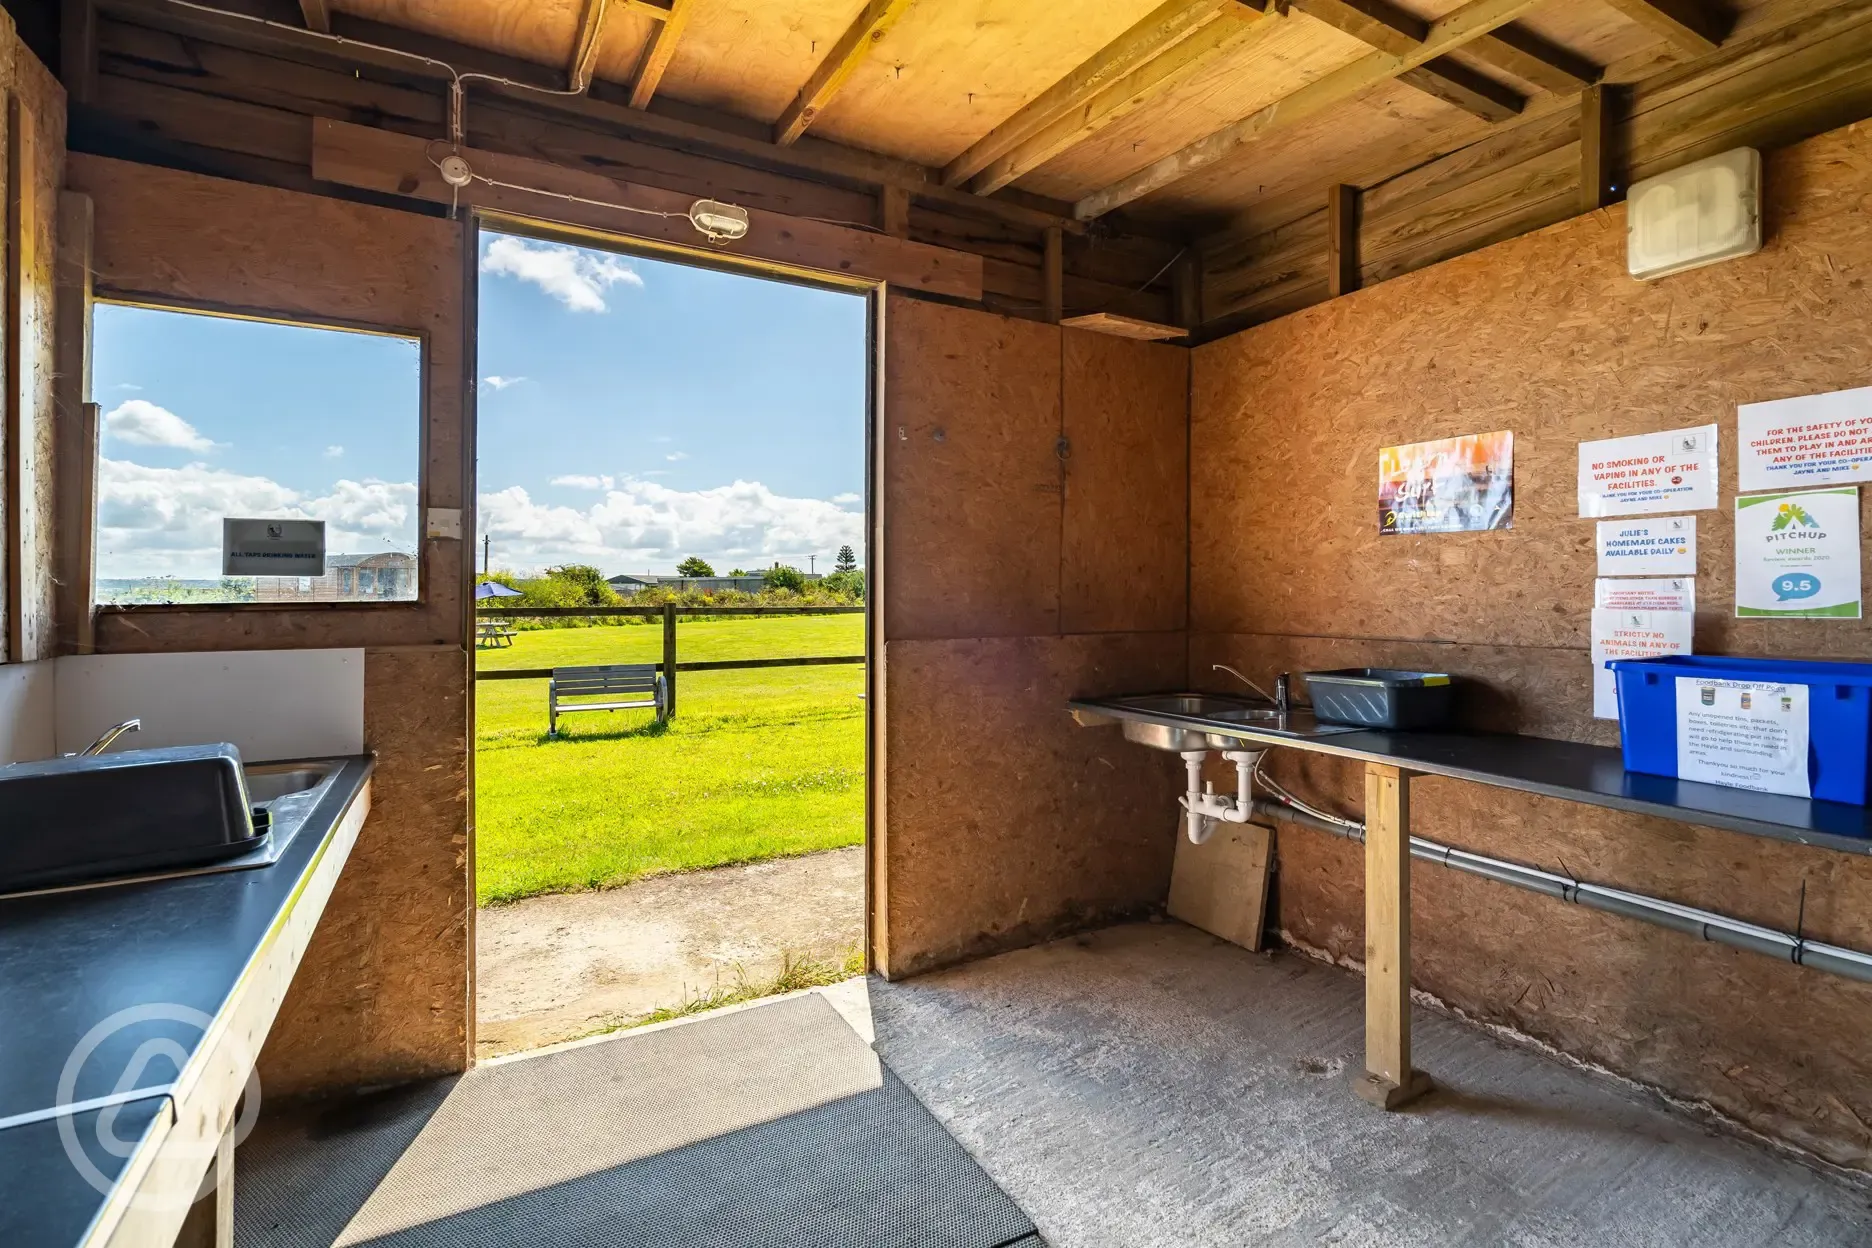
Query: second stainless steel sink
(1152,719)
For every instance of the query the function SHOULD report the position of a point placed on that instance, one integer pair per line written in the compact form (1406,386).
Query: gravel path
(552,968)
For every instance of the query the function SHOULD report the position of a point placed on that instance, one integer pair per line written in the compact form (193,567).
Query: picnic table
(491,633)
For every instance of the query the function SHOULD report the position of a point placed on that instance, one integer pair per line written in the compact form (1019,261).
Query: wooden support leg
(210,1221)
(1388,1080)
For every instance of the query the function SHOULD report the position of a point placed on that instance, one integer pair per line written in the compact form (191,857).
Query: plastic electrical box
(1697,215)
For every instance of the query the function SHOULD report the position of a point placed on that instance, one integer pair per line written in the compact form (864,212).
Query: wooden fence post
(669,655)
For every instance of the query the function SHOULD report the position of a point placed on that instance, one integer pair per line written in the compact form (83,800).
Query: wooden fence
(668,612)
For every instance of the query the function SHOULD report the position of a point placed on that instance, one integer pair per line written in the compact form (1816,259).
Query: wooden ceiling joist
(1235,32)
(658,53)
(1390,29)
(1689,24)
(1526,55)
(585,44)
(836,69)
(1160,30)
(317,15)
(1449,32)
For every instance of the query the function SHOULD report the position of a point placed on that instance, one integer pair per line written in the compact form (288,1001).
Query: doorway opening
(670,638)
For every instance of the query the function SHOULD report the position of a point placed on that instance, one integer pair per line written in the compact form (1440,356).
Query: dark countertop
(71,961)
(1593,774)
(46,1199)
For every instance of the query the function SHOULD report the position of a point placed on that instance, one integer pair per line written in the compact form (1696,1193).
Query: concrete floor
(1150,1085)
(549,969)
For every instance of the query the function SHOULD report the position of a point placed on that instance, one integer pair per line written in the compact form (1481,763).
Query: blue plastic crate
(1839,737)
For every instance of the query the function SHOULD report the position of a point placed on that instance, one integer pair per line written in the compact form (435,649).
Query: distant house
(629,583)
(385,576)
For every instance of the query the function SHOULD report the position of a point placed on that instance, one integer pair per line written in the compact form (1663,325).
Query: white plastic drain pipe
(1203,806)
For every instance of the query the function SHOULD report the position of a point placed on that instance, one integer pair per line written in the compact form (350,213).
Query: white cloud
(642,524)
(126,385)
(578,481)
(676,457)
(572,275)
(167,521)
(143,423)
(501,383)
(334,451)
(847,499)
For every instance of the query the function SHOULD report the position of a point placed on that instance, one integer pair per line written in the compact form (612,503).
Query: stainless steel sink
(1143,716)
(270,782)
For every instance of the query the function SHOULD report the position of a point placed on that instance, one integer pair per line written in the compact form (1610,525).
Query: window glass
(208,419)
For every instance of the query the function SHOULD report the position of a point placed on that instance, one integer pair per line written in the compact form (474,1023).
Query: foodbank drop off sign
(1797,555)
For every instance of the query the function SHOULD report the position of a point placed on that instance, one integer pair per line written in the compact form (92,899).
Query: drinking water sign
(1797,555)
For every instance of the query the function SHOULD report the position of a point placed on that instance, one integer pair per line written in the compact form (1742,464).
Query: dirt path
(552,968)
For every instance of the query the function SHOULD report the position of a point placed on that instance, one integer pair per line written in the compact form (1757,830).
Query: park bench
(613,684)
(490,633)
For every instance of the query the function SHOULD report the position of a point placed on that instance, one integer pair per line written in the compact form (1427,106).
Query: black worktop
(1593,774)
(45,1199)
(175,949)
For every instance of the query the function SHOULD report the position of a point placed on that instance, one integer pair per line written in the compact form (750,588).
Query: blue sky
(631,412)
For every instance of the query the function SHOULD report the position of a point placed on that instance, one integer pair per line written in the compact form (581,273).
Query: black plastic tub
(1381,697)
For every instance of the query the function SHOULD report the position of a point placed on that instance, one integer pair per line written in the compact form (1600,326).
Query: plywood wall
(33,125)
(1022,566)
(1545,335)
(383,994)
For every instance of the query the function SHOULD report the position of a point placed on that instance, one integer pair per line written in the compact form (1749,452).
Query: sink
(83,818)
(270,782)
(1212,716)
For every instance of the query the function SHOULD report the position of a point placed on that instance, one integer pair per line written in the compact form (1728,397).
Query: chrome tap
(110,735)
(1280,695)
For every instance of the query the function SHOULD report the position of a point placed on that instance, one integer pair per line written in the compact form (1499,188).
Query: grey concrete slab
(1151,1085)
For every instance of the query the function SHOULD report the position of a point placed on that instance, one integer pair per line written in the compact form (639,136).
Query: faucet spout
(1278,699)
(110,736)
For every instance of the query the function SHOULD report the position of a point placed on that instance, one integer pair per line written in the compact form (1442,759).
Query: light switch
(445,522)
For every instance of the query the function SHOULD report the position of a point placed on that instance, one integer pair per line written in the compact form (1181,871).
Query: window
(211,418)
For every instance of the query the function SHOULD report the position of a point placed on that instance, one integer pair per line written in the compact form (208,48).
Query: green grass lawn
(756,764)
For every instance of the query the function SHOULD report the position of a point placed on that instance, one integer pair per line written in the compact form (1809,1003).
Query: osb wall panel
(1009,823)
(1546,336)
(972,473)
(180,237)
(1124,565)
(382,996)
(42,101)
(1000,822)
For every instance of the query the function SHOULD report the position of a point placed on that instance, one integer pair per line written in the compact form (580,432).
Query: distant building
(388,576)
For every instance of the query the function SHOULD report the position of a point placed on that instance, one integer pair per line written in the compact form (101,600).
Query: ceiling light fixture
(719,222)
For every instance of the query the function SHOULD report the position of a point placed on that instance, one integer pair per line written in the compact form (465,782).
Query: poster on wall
(1648,473)
(1660,593)
(1452,485)
(1665,547)
(1819,439)
(1797,555)
(1632,635)
(1743,733)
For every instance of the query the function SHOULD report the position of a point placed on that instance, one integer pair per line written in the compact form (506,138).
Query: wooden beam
(1235,33)
(1120,326)
(317,14)
(75,426)
(398,164)
(894,211)
(1390,29)
(1595,149)
(22,261)
(1388,1079)
(1186,288)
(1342,240)
(78,50)
(1526,55)
(1053,277)
(1160,30)
(1686,23)
(1453,30)
(658,53)
(585,44)
(832,73)
(1456,84)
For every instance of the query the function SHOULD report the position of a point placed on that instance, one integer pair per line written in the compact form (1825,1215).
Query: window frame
(205,307)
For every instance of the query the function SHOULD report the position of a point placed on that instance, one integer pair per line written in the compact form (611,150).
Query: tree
(782,577)
(739,572)
(584,584)
(846,561)
(694,566)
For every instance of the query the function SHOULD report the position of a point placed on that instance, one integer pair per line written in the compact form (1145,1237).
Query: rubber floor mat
(775,1126)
